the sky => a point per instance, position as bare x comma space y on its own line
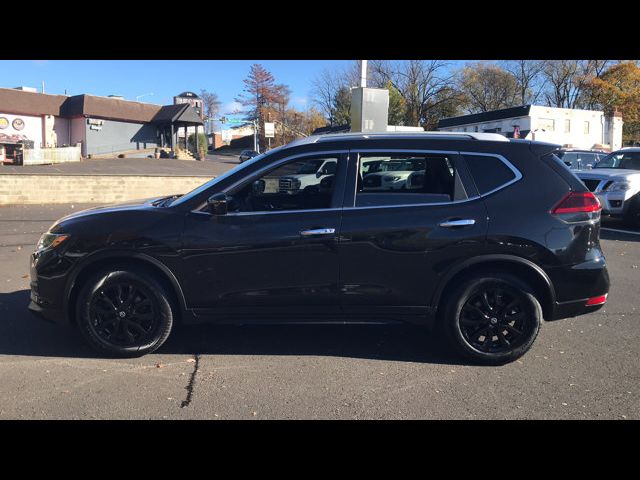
163, 78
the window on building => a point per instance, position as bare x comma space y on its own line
567, 125
547, 124
475, 129
586, 128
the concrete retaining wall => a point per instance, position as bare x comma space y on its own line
46, 189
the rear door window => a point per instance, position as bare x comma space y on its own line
489, 172
407, 178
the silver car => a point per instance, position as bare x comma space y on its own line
616, 182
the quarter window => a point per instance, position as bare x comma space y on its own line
488, 172
397, 179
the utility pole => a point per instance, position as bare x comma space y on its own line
363, 73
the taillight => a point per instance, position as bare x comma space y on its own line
577, 202
600, 300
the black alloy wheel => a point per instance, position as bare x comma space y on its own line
491, 318
124, 313
494, 320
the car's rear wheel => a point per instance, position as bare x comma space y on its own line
492, 319
124, 313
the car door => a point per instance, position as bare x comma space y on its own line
396, 244
274, 252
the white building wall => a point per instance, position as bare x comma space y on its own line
32, 128
564, 126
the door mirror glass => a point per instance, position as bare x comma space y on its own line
218, 204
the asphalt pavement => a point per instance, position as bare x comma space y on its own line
579, 368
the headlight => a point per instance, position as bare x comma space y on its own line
619, 187
50, 240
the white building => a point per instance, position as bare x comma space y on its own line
583, 129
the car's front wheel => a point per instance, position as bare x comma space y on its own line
492, 318
124, 313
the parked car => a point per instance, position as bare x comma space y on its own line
308, 175
581, 159
615, 180
481, 252
247, 154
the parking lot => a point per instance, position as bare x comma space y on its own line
579, 368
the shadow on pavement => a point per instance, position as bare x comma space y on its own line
22, 333
625, 237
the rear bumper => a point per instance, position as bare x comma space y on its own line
573, 309
576, 285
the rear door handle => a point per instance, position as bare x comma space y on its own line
458, 223
318, 231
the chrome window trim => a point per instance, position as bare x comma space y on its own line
272, 166
510, 166
515, 171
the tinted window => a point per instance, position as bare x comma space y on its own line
396, 179
488, 172
296, 185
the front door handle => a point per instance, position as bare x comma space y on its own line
458, 223
318, 231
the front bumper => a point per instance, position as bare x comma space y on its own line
613, 203
47, 294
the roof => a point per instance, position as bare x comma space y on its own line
109, 108
512, 112
187, 94
182, 112
23, 102
492, 137
29, 103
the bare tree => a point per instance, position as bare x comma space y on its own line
423, 84
528, 75
567, 82
487, 87
324, 90
210, 104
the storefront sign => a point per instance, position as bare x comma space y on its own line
4, 123
18, 124
95, 124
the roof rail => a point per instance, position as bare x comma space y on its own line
494, 137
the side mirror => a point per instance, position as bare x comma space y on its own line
218, 204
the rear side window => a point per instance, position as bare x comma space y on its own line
406, 179
488, 172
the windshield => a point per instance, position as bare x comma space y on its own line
213, 181
626, 160
310, 167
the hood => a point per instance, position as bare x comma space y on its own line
607, 174
104, 209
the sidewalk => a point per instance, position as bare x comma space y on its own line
211, 167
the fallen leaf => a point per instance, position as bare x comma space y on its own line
191, 360
159, 365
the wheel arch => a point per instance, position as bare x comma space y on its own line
525, 269
127, 260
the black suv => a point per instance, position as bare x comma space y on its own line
489, 238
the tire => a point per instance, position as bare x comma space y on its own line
124, 313
469, 316
632, 215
